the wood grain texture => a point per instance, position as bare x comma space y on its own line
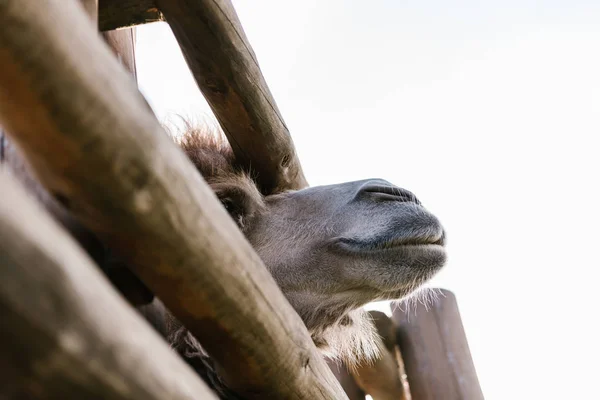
227, 72
65, 332
435, 351
117, 14
91, 139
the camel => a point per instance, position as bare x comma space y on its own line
331, 249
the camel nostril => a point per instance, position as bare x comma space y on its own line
388, 192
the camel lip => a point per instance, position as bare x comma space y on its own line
389, 244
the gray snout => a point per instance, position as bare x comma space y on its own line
379, 189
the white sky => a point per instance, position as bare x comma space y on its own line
490, 113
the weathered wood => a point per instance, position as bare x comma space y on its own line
435, 351
122, 42
65, 333
93, 142
402, 372
116, 14
382, 379
345, 378
227, 72
128, 284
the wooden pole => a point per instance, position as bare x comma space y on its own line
65, 332
92, 141
435, 351
227, 72
383, 379
117, 14
345, 378
14, 163
122, 42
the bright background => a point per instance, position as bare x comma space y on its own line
490, 113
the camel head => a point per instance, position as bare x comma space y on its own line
331, 249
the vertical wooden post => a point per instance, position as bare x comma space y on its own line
122, 42
382, 379
435, 351
345, 378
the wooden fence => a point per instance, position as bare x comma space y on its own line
70, 107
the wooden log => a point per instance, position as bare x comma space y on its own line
435, 351
382, 379
227, 72
128, 284
122, 42
117, 14
65, 332
92, 141
345, 378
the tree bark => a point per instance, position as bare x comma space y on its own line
227, 72
94, 143
65, 332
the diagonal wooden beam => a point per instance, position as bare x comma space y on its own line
65, 332
227, 72
117, 14
94, 143
91, 9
